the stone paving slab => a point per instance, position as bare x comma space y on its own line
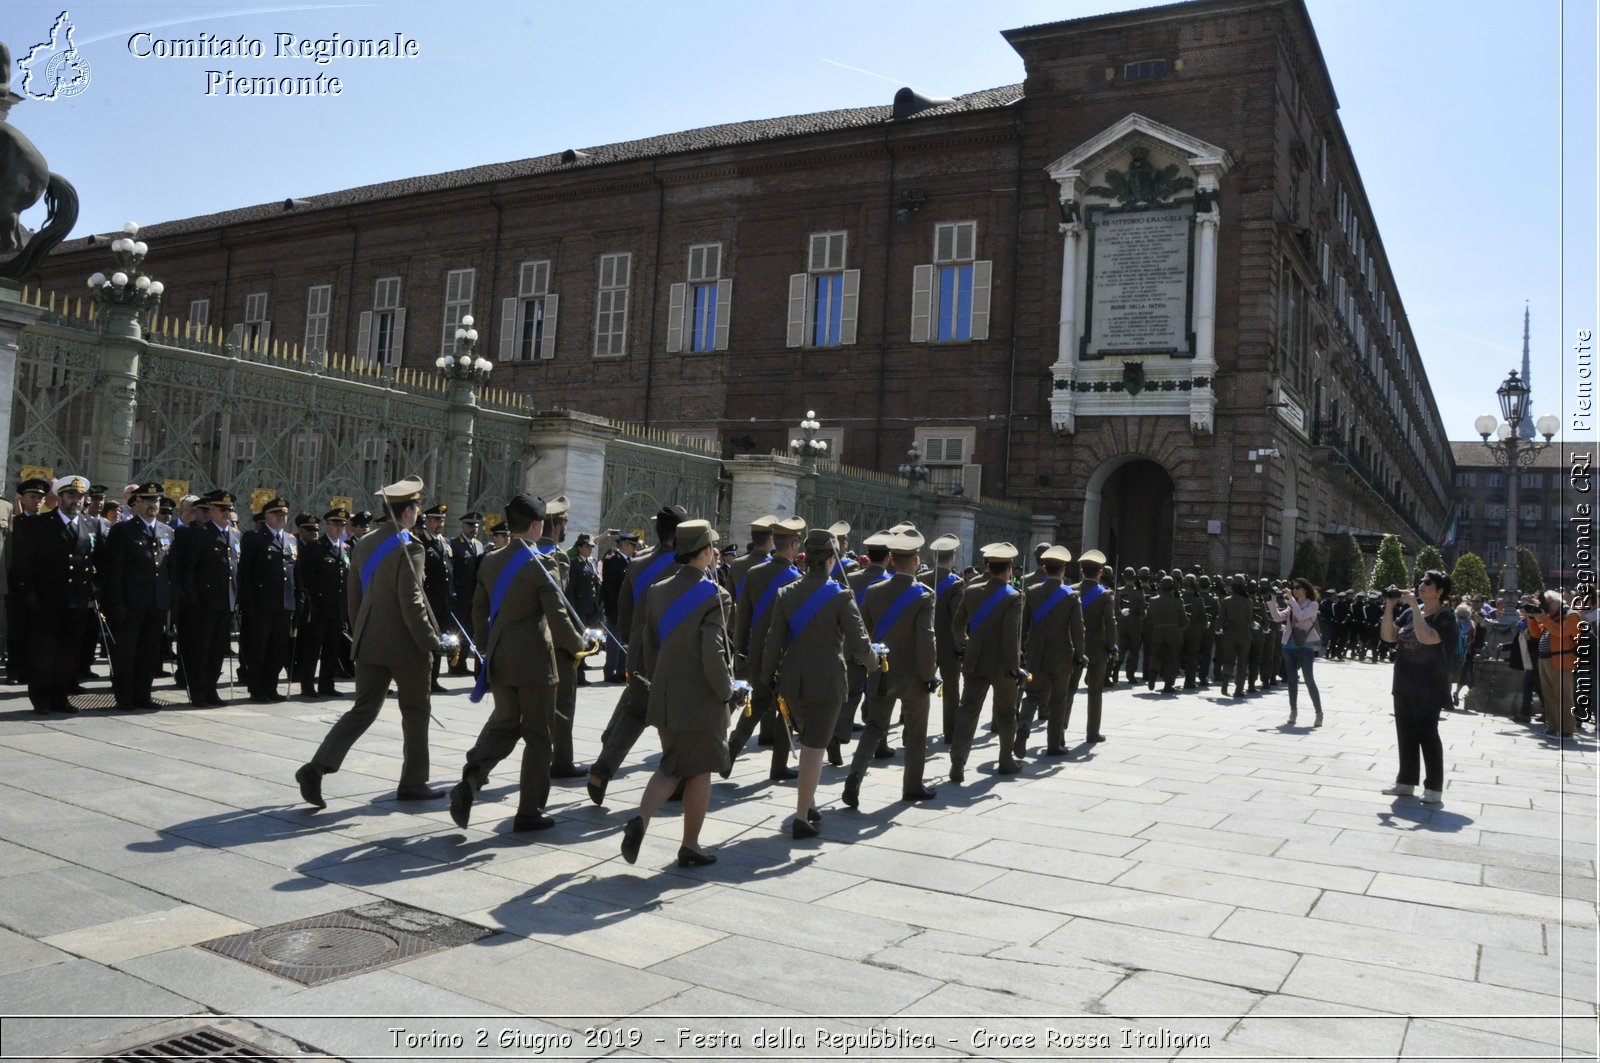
1206, 862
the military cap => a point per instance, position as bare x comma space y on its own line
1168, 583
792, 527
435, 511
730, 549
1129, 573
557, 508
839, 528
628, 537
218, 499
945, 544
525, 505
337, 514
1092, 557
70, 483
472, 518
1056, 553
1144, 570
407, 490
904, 525
676, 514
1038, 551
694, 536
145, 492
764, 524
999, 552
584, 539
166, 505
498, 527
908, 541
307, 520
821, 541
878, 538
98, 490
362, 518
34, 486
275, 505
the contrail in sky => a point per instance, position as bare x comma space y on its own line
869, 73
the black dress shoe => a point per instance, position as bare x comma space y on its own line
1055, 751
813, 816
328, 692
435, 688
569, 771
835, 755
1008, 767
782, 774
632, 838
310, 780
598, 778
528, 821
418, 793
1095, 738
275, 697
958, 773
461, 803
63, 705
852, 790
921, 793
799, 828
688, 857
307, 691
884, 752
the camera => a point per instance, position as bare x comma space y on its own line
1391, 591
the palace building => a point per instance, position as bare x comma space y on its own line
1142, 291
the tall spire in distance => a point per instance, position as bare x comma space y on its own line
1525, 426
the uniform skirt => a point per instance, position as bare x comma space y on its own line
814, 721
685, 754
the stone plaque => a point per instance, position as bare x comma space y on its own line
1139, 283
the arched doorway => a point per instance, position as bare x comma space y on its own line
1129, 513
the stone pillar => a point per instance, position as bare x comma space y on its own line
763, 484
461, 423
958, 516
1044, 531
1203, 400
569, 458
1063, 406
116, 399
15, 315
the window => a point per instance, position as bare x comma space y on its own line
381, 336
1534, 480
1466, 511
611, 306
823, 300
200, 313
1293, 329
319, 302
947, 453
1322, 161
950, 298
1492, 555
1532, 512
257, 330
698, 311
372, 460
306, 451
1145, 68
528, 319
244, 454
1494, 479
457, 305
1494, 512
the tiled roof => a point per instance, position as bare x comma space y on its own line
1474, 455
690, 140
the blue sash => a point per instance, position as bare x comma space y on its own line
898, 606
651, 573
683, 605
385, 548
950, 580
1001, 594
546, 549
812, 605
1090, 595
861, 595
497, 597
738, 590
1057, 596
770, 595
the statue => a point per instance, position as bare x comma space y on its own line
24, 178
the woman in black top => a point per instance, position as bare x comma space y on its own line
1421, 680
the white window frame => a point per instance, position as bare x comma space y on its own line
955, 246
319, 309
615, 275
458, 289
699, 308
256, 331
811, 294
199, 313
533, 298
382, 331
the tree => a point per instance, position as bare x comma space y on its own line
1428, 559
1308, 562
1469, 576
1530, 574
1390, 568
1345, 568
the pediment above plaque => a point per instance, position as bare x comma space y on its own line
1112, 149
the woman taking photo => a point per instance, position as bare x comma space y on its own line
1300, 642
1422, 636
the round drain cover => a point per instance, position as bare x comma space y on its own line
327, 946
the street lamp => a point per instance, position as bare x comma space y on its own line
129, 289
808, 447
912, 468
465, 365
1515, 454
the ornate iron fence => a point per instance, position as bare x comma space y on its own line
867, 500
646, 470
1004, 522
52, 401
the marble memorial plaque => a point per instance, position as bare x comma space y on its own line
1139, 283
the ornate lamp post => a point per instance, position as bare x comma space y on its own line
1515, 454
128, 297
912, 469
128, 300
465, 371
808, 447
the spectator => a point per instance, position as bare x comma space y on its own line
1421, 636
1466, 638
1561, 630
1300, 642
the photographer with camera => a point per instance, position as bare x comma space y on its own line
1421, 637
1299, 641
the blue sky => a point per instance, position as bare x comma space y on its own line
1473, 123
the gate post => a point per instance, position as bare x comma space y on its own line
764, 484
125, 298
569, 458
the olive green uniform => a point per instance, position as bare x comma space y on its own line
991, 646
1053, 643
1165, 622
690, 668
913, 660
804, 664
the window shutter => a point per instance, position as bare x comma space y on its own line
848, 302
236, 336
398, 348
921, 303
799, 285
547, 341
508, 329
264, 337
724, 315
675, 317
364, 336
982, 279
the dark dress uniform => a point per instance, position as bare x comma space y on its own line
466, 554
989, 631
752, 618
53, 560
689, 661
1194, 607
1100, 646
947, 587
322, 574
1236, 617
1053, 644
1131, 605
804, 662
613, 574
904, 624
205, 560
436, 586
1165, 623
267, 600
136, 591
16, 615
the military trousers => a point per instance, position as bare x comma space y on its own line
1208, 641
203, 643
977, 691
1093, 675
1233, 649
950, 699
1130, 636
1047, 696
912, 696
763, 714
264, 647
627, 724
1192, 635
1166, 649
136, 637
855, 678
520, 712
55, 639
318, 647
566, 707
372, 687
16, 640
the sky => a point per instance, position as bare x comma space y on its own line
1472, 122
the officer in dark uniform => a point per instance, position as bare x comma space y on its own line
205, 562
136, 591
1208, 634
1099, 636
499, 534
946, 584
437, 580
53, 561
613, 574
1165, 624
1194, 606
267, 599
466, 554
1130, 623
1235, 618
30, 496
322, 574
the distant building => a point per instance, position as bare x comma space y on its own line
1143, 291
1542, 514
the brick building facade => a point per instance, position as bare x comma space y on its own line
1544, 508
919, 273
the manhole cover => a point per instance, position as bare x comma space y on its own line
109, 701
339, 944
207, 1042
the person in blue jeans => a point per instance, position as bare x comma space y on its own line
1300, 641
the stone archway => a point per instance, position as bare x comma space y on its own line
1130, 512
